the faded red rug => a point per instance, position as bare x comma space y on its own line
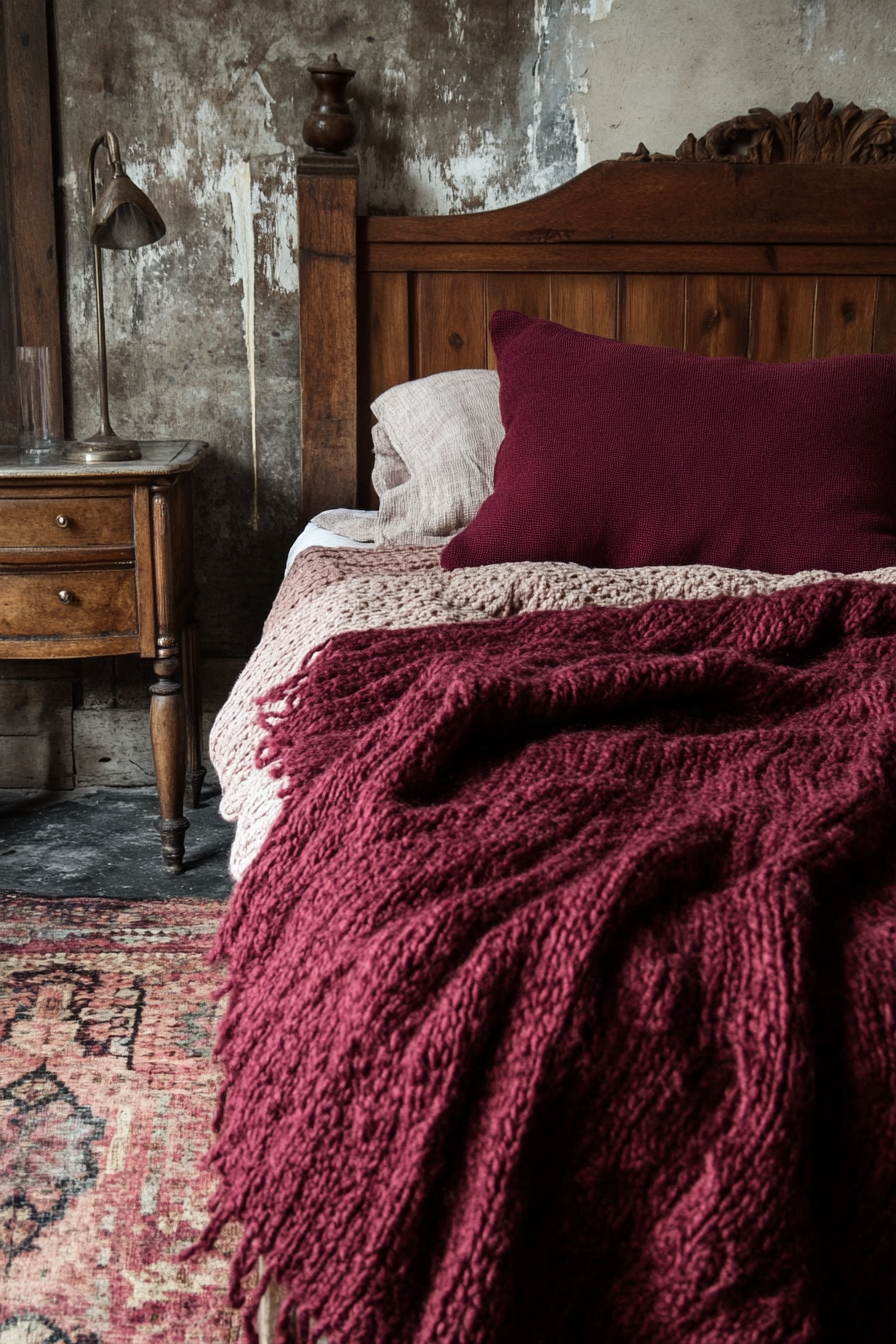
107, 1093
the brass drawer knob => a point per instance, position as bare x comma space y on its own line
66, 596
61, 520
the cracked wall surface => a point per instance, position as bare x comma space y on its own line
654, 70
460, 106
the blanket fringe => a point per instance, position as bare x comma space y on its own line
523, 1023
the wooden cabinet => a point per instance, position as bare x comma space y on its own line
98, 560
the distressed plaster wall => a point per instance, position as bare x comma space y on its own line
653, 70
208, 100
462, 104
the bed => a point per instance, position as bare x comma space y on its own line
481, 1085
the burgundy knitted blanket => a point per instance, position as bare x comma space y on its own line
562, 997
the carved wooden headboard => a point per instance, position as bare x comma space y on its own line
771, 237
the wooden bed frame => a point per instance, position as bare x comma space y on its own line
770, 237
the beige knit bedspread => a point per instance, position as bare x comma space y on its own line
327, 592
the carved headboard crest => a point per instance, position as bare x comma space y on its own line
809, 133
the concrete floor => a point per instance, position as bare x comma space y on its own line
102, 842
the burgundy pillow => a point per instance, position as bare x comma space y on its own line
623, 455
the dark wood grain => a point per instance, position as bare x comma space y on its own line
586, 302
103, 603
146, 604
681, 203
884, 338
386, 336
15, 558
782, 317
711, 258
328, 348
449, 323
844, 315
69, 646
72, 522
651, 310
717, 314
180, 503
520, 292
384, 354
31, 228
167, 718
168, 735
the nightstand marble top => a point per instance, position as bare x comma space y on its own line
159, 458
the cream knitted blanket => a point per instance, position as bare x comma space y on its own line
328, 592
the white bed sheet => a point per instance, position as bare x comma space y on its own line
313, 535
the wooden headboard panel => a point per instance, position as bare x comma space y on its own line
773, 238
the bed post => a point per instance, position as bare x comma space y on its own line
327, 192
327, 200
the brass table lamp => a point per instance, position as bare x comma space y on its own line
122, 219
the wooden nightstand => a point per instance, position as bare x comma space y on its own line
98, 560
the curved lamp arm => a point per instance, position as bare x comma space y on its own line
109, 141
123, 218
105, 430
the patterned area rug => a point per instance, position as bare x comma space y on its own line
107, 1092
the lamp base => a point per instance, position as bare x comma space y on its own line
102, 448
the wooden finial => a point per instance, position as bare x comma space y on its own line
329, 127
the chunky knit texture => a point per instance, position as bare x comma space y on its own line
329, 592
562, 996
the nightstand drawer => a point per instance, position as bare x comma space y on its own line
61, 521
68, 603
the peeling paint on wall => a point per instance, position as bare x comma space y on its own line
813, 15
268, 100
237, 182
461, 105
553, 134
277, 228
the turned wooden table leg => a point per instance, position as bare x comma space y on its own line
193, 708
167, 726
167, 721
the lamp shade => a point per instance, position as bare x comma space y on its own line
125, 218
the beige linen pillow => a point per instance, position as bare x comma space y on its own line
435, 446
